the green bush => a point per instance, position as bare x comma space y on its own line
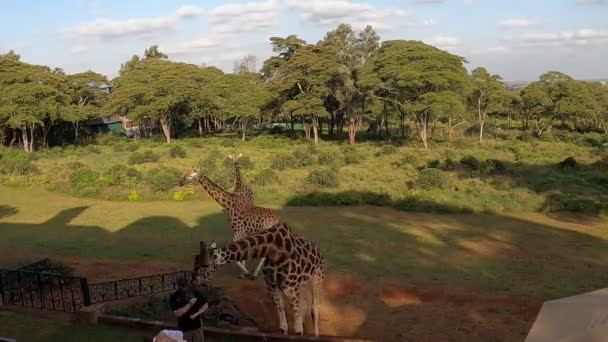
265, 177
568, 163
327, 178
17, 167
179, 196
85, 182
122, 175
245, 163
326, 158
449, 164
493, 166
593, 139
134, 196
318, 198
163, 178
352, 159
471, 163
433, 164
432, 179
146, 156
177, 151
93, 149
386, 150
228, 143
108, 139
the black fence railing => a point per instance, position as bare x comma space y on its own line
41, 290
134, 287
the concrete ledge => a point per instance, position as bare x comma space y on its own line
222, 333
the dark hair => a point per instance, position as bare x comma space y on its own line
181, 282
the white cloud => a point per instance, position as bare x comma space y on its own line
189, 11
193, 46
247, 17
498, 49
579, 37
444, 41
515, 23
76, 50
359, 15
108, 28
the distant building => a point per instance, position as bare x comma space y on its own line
115, 124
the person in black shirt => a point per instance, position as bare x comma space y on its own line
188, 312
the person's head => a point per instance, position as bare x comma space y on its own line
181, 283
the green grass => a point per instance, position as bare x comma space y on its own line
32, 328
529, 183
522, 253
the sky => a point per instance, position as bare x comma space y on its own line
517, 39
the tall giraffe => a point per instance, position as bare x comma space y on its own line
292, 265
239, 187
245, 218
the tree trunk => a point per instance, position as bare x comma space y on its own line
165, 123
200, 127
315, 132
76, 125
243, 129
332, 123
450, 129
480, 118
24, 137
481, 124
402, 124
32, 131
13, 139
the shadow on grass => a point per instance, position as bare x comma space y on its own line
6, 211
487, 253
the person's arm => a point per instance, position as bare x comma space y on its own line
182, 311
200, 311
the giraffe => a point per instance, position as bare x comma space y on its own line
292, 265
239, 187
245, 218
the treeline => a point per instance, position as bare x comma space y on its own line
338, 85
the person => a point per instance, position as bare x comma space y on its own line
188, 312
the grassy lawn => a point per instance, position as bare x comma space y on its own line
529, 254
27, 327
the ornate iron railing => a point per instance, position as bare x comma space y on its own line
134, 287
41, 290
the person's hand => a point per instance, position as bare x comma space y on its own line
192, 301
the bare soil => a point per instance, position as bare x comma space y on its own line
351, 307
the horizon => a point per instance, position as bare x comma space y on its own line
519, 40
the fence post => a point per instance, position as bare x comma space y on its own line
86, 294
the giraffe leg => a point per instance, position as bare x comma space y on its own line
244, 271
316, 301
259, 268
296, 298
277, 298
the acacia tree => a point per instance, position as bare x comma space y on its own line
29, 95
486, 95
204, 106
299, 77
156, 89
415, 77
347, 101
88, 92
599, 92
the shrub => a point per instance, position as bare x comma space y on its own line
134, 196
449, 164
93, 149
323, 177
107, 139
386, 150
17, 167
75, 165
147, 156
122, 175
163, 178
177, 151
410, 159
317, 198
227, 143
283, 161
593, 139
85, 182
179, 196
312, 149
433, 164
302, 158
432, 179
471, 163
352, 159
265, 177
131, 147
246, 163
214, 156
326, 158
492, 166
568, 163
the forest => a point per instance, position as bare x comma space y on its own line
451, 139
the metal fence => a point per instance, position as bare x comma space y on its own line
46, 291
134, 287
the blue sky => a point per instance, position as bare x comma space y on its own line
517, 39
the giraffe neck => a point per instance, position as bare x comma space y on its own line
272, 243
222, 197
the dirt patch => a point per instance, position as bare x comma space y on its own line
367, 309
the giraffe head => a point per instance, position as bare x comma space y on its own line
206, 263
190, 176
